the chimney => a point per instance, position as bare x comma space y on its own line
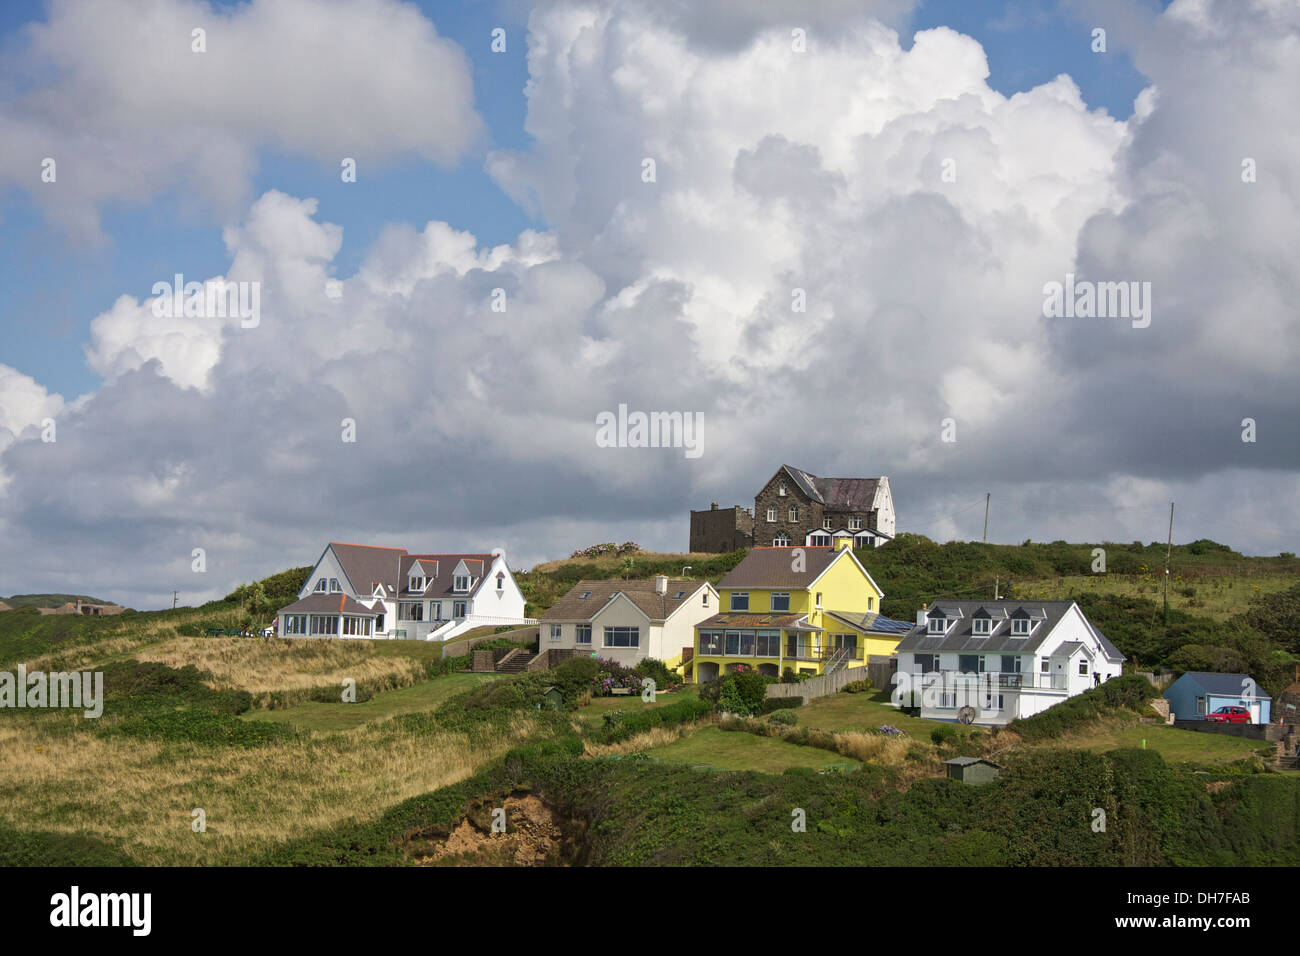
661, 584
713, 506
923, 616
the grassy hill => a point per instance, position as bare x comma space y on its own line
50, 600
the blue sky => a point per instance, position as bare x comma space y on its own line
1028, 42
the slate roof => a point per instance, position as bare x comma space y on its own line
1227, 685
327, 604
848, 494
772, 568
443, 584
961, 636
641, 592
365, 565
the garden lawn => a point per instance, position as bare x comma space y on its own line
427, 695
733, 750
594, 712
842, 712
1176, 746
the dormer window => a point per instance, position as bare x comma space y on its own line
462, 583
982, 626
320, 586
417, 583
1021, 626
937, 625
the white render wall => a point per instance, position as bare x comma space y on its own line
1027, 701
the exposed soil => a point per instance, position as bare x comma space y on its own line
534, 835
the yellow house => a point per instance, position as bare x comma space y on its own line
806, 610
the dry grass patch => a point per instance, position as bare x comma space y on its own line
655, 737
141, 793
284, 671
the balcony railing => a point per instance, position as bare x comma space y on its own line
1012, 681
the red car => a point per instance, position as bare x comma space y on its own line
1230, 714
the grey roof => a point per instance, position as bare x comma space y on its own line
961, 637
443, 583
847, 494
1067, 649
1228, 685
367, 565
967, 761
1110, 650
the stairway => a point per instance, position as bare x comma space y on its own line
515, 662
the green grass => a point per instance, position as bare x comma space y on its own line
1216, 596
861, 712
595, 711
722, 750
1176, 746
314, 715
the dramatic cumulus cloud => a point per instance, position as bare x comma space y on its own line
114, 93
919, 214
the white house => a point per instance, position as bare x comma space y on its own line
364, 591
628, 621
990, 662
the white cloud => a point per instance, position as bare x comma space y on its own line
114, 93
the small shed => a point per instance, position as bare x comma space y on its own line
552, 699
1198, 693
972, 770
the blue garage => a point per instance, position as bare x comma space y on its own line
1198, 693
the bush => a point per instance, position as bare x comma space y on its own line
1128, 692
657, 671
773, 704
741, 692
943, 735
784, 716
856, 687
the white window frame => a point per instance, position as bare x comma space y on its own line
732, 601
1021, 627
981, 626
776, 594
855, 524
557, 632
771, 515
930, 625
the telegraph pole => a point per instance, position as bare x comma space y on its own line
1169, 547
987, 495
174, 594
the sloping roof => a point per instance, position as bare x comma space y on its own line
327, 604
1227, 685
751, 619
773, 568
1066, 649
848, 494
961, 636
365, 565
872, 623
641, 592
967, 761
443, 585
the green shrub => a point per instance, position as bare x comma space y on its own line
771, 704
1128, 692
657, 671
944, 734
784, 716
856, 687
